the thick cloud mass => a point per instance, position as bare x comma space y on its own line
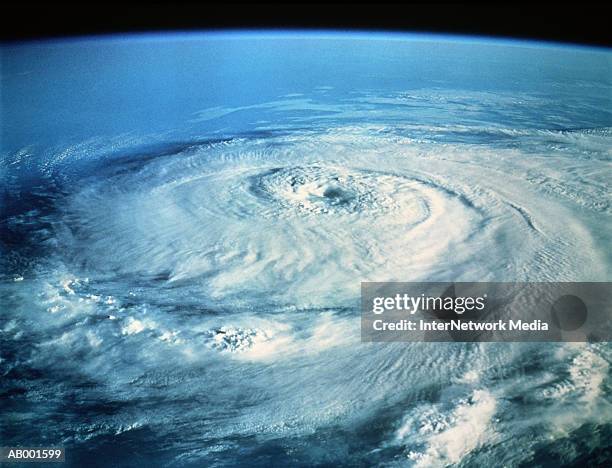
302, 220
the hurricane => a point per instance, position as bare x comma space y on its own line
186, 222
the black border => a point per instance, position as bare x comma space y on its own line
580, 23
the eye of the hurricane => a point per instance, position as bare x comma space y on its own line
337, 196
330, 190
324, 194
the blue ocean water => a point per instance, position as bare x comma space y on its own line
186, 220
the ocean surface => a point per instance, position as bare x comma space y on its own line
185, 221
